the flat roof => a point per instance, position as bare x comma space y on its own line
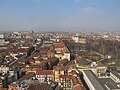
101, 83
109, 83
115, 73
93, 79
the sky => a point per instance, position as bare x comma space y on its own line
60, 15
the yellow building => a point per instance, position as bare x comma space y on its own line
4, 68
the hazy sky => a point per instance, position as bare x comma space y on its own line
60, 15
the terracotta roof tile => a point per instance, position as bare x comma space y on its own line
59, 45
3, 89
40, 87
62, 68
44, 72
66, 76
78, 87
63, 62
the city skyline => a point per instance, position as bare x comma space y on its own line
59, 15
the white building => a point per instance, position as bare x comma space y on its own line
61, 51
1, 35
76, 39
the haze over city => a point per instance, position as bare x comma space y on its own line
60, 15
59, 44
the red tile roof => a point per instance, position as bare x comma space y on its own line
51, 50
40, 51
75, 80
59, 45
22, 50
53, 59
44, 72
78, 87
62, 68
40, 87
73, 72
62, 62
66, 76
71, 62
76, 84
3, 89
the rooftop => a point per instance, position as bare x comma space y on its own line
63, 62
93, 79
108, 82
44, 72
40, 87
116, 74
26, 77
